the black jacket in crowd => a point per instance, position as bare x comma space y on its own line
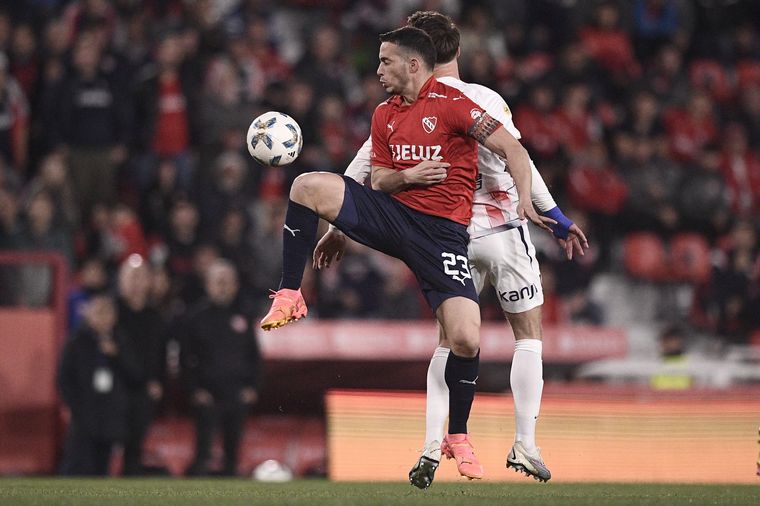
145, 333
101, 414
220, 352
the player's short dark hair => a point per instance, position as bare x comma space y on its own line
442, 30
413, 39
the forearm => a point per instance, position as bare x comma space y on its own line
518, 164
540, 195
389, 180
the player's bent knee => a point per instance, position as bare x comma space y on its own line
319, 191
464, 341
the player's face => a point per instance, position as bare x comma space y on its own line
393, 70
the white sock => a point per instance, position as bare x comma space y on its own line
527, 382
437, 403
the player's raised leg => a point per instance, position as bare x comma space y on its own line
527, 383
459, 318
314, 195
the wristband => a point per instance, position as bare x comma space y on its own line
561, 229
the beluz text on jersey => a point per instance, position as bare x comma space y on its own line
416, 152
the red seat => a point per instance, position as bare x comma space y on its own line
644, 256
690, 258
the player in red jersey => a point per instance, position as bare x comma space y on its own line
424, 164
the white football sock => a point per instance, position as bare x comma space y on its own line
527, 382
437, 403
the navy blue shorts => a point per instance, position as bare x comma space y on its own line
434, 248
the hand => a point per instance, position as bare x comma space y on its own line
526, 210
248, 395
426, 173
330, 247
108, 347
202, 397
155, 390
576, 241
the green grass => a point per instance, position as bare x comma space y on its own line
230, 492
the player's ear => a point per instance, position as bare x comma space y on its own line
414, 65
459, 52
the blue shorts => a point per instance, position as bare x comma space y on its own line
434, 248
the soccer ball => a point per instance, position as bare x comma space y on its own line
274, 138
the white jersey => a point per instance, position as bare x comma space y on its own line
495, 201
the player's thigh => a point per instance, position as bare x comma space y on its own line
513, 269
320, 191
459, 318
374, 218
479, 264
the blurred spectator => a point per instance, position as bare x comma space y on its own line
182, 237
10, 225
24, 60
749, 113
741, 169
577, 124
93, 119
269, 220
228, 189
91, 279
53, 178
704, 187
324, 65
539, 128
610, 45
144, 331
666, 77
157, 200
224, 112
40, 231
691, 128
164, 114
234, 244
348, 290
658, 22
97, 368
220, 357
727, 304
400, 297
652, 188
14, 119
674, 373
645, 116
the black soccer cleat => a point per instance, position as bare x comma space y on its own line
423, 472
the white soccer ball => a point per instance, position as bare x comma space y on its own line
274, 138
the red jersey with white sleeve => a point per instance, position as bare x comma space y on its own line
437, 127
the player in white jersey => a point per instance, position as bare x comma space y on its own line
500, 253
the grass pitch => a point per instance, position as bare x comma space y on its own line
233, 492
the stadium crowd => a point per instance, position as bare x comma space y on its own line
122, 131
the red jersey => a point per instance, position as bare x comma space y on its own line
433, 127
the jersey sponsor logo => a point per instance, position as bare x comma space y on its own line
475, 113
460, 97
390, 125
416, 152
429, 123
433, 94
526, 292
479, 182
